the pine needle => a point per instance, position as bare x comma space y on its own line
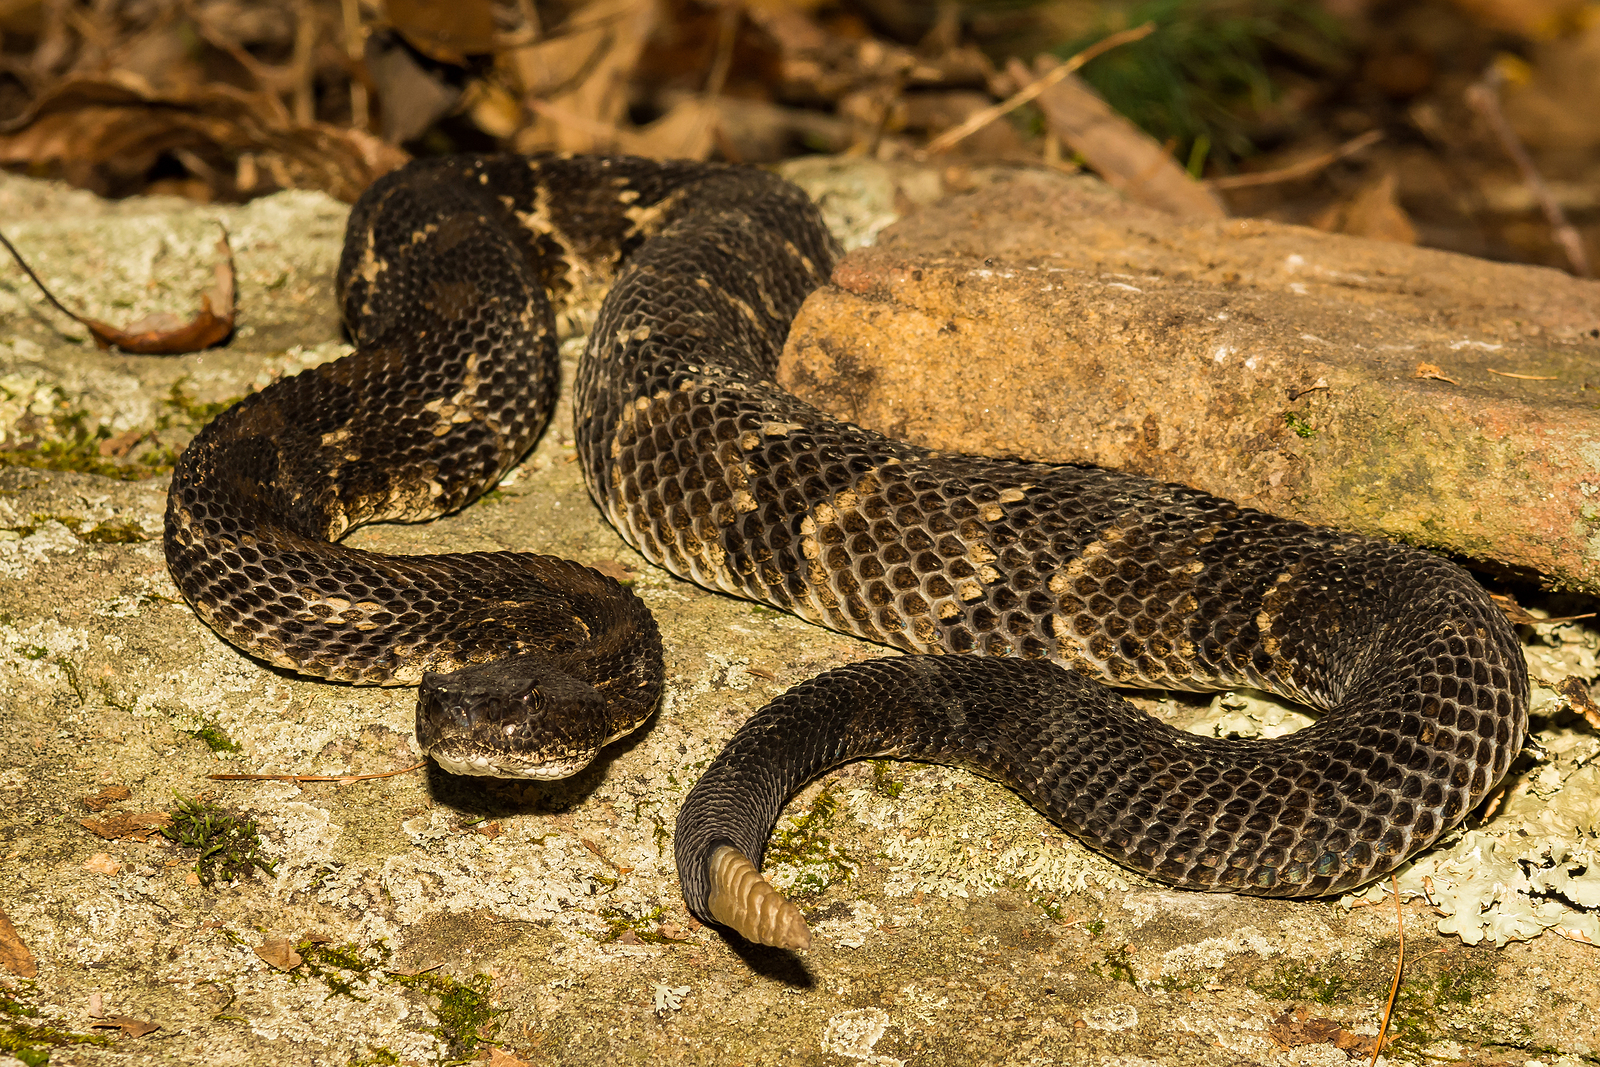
1399, 964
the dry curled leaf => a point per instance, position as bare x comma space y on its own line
132, 826
162, 334
614, 568
1373, 212
1578, 698
102, 863
106, 134
129, 1026
120, 445
1434, 371
279, 953
576, 79
14, 954
449, 32
165, 336
212, 323
108, 796
1297, 1027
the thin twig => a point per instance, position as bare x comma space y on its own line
1524, 377
341, 778
1399, 964
722, 61
532, 30
579, 75
1484, 97
980, 119
602, 132
301, 66
728, 20
271, 81
1302, 169
48, 295
355, 50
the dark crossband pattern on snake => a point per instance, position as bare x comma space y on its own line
1038, 582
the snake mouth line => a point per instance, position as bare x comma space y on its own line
494, 765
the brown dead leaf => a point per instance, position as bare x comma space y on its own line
499, 1057
123, 443
815, 62
1434, 371
449, 32
600, 854
102, 863
615, 568
105, 134
577, 79
687, 131
108, 796
1578, 698
168, 337
1297, 1027
279, 953
1514, 611
14, 954
162, 334
133, 826
1374, 213
1530, 18
1130, 160
130, 1027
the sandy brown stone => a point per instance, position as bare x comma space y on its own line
1406, 392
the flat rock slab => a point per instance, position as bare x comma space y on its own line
1405, 392
953, 925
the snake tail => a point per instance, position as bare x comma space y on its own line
1264, 817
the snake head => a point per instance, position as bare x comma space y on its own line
519, 717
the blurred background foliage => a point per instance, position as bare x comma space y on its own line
1206, 77
1396, 119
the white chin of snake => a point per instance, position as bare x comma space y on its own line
483, 767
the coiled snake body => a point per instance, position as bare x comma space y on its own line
712, 471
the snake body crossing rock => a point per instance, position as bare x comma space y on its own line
714, 472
